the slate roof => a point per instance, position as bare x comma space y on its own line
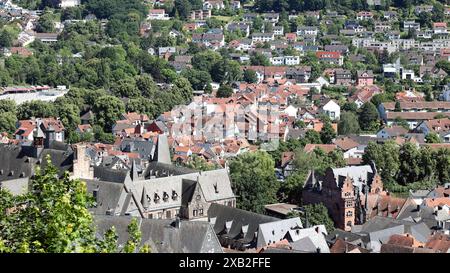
160, 168
229, 222
108, 196
62, 160
162, 235
276, 231
14, 163
144, 148
110, 175
20, 161
381, 228
315, 237
423, 214
170, 185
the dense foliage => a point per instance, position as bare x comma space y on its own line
407, 164
253, 180
53, 217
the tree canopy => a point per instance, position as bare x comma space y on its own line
253, 180
53, 217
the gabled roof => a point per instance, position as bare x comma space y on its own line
163, 236
230, 221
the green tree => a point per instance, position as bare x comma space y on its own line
45, 23
8, 105
6, 38
250, 76
226, 71
182, 87
205, 60
327, 134
199, 163
253, 179
348, 124
442, 157
199, 79
368, 117
126, 88
257, 24
386, 158
317, 214
69, 114
8, 122
224, 91
146, 85
291, 189
410, 166
312, 137
433, 138
259, 59
52, 217
183, 8
132, 245
107, 110
37, 109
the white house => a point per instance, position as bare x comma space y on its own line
277, 60
157, 14
291, 111
69, 3
263, 37
332, 109
208, 5
355, 152
278, 30
292, 60
407, 25
307, 31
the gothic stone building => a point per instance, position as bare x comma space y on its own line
187, 195
345, 192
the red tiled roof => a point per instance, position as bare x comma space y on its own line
328, 54
439, 242
326, 147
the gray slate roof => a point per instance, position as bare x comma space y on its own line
162, 235
231, 221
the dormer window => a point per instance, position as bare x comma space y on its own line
156, 198
165, 197
215, 188
174, 195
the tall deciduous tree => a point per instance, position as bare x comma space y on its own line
368, 118
348, 124
327, 134
317, 214
224, 91
253, 179
8, 122
53, 217
108, 110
